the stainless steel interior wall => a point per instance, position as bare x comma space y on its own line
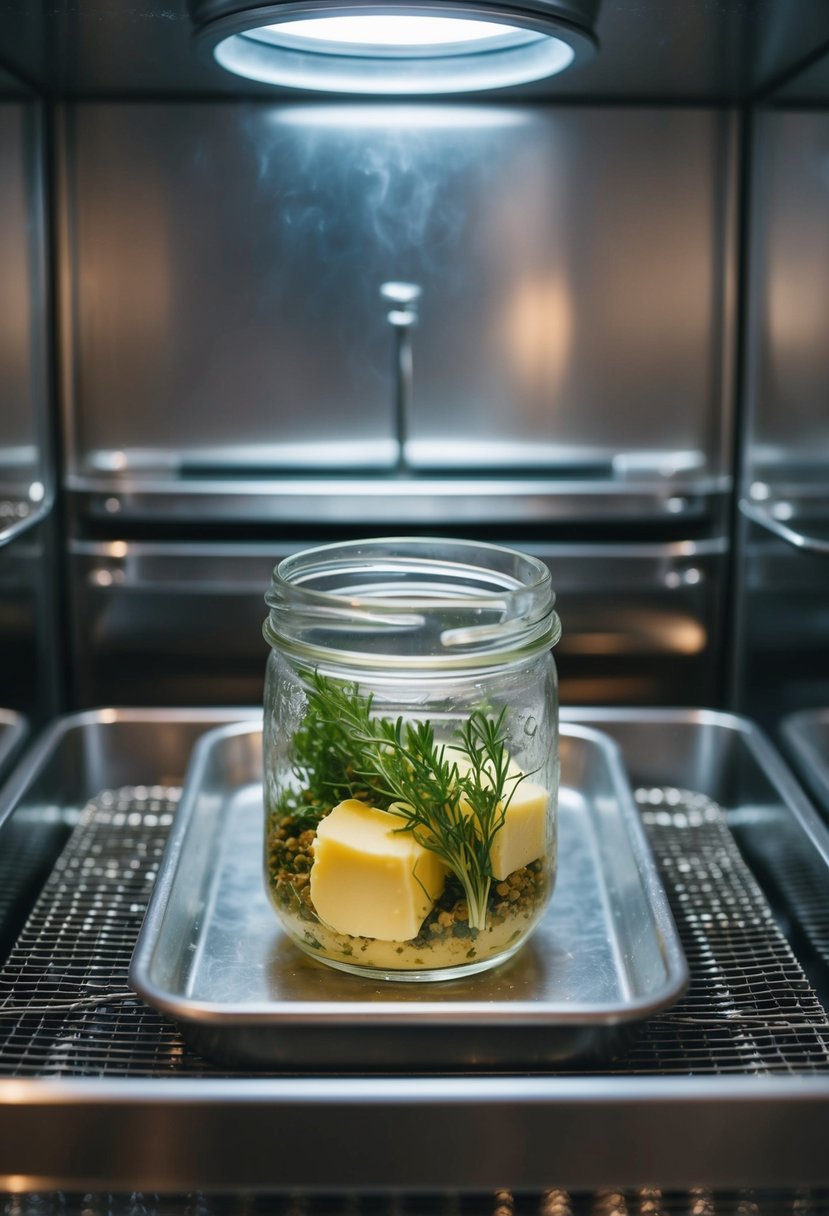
227, 262
789, 352
29, 666
21, 305
166, 623
784, 564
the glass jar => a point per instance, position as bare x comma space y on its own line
410, 754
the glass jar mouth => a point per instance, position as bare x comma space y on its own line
412, 603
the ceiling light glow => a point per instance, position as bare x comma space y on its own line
390, 30
375, 47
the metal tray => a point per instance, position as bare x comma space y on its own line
213, 957
806, 737
172, 1130
777, 829
68, 764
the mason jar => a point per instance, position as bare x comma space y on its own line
411, 755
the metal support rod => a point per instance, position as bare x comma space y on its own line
402, 316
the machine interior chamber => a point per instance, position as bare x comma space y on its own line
609, 352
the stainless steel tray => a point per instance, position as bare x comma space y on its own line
69, 763
777, 829
213, 957
806, 737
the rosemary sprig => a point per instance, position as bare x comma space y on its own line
455, 810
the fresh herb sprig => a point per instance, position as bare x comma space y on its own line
344, 752
323, 764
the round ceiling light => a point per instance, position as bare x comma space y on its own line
394, 47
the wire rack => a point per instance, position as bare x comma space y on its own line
749, 1006
644, 1201
803, 887
28, 850
66, 1007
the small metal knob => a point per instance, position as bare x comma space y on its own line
404, 299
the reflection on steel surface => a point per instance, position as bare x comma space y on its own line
641, 619
584, 313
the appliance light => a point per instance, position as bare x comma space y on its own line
383, 32
394, 48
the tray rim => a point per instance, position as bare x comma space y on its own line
758, 743
444, 1013
812, 767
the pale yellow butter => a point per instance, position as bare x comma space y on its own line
370, 880
523, 836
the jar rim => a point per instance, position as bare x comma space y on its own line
456, 603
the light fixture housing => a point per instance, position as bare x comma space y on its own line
396, 47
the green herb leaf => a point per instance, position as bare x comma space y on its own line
342, 751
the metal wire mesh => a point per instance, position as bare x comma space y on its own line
66, 1007
28, 849
749, 1006
644, 1201
804, 889
65, 1003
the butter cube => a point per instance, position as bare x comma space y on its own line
370, 880
523, 837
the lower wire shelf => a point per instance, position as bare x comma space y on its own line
66, 1007
639, 1201
722, 1100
